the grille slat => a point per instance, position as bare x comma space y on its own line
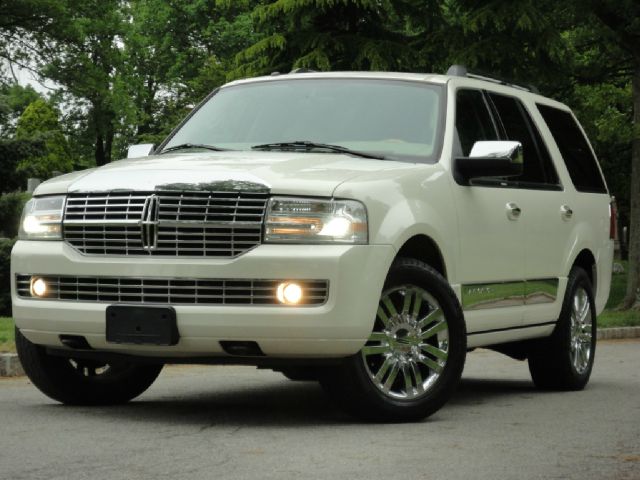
169, 290
199, 224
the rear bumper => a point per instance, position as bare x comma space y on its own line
337, 328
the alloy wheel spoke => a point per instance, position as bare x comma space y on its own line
388, 362
433, 315
391, 308
391, 377
415, 371
437, 328
408, 382
408, 295
436, 352
382, 315
375, 349
417, 305
436, 367
378, 337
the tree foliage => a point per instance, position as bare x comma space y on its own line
39, 123
127, 71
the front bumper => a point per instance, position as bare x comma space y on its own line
338, 328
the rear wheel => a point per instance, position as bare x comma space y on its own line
415, 354
564, 360
81, 381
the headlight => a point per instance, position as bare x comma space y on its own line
42, 219
308, 220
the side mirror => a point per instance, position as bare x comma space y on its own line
489, 159
141, 150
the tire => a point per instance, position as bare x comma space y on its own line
564, 360
83, 382
413, 360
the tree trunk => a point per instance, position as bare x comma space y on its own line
99, 153
633, 281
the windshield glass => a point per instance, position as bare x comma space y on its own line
395, 119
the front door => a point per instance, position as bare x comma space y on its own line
492, 231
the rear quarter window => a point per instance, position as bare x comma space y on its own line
574, 148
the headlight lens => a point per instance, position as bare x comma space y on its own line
42, 219
308, 220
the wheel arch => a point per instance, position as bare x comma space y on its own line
587, 261
424, 248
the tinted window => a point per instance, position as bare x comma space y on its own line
575, 151
473, 120
397, 119
516, 124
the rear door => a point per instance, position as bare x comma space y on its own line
544, 205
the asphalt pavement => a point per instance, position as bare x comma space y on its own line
242, 423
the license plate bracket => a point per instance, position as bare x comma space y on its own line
141, 325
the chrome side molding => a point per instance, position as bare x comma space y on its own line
480, 296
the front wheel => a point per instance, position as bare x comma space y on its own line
80, 381
564, 360
414, 357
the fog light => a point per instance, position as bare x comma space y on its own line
38, 287
289, 293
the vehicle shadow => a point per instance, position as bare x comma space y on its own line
275, 403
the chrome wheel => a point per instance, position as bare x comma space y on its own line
581, 331
409, 346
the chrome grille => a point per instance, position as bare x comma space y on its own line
168, 290
200, 224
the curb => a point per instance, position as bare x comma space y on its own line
10, 364
618, 333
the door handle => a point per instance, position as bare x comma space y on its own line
565, 212
513, 211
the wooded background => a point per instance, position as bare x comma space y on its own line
125, 72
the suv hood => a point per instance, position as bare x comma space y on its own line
280, 172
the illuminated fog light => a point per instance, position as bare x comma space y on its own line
38, 287
289, 293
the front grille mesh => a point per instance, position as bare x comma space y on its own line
169, 290
199, 224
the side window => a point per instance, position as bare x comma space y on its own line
578, 157
473, 120
516, 124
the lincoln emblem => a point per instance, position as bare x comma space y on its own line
149, 223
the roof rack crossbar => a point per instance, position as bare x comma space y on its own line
461, 71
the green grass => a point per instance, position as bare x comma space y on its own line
612, 318
6, 335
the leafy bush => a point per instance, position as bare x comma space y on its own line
5, 276
11, 205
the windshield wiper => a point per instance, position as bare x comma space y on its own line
184, 146
308, 146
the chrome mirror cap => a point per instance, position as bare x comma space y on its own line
498, 149
140, 150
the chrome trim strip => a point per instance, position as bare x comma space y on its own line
479, 296
542, 290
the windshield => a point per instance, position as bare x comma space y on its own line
397, 120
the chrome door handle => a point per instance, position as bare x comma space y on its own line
565, 212
513, 211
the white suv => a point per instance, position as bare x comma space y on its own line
362, 229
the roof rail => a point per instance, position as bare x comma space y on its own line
461, 71
303, 70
